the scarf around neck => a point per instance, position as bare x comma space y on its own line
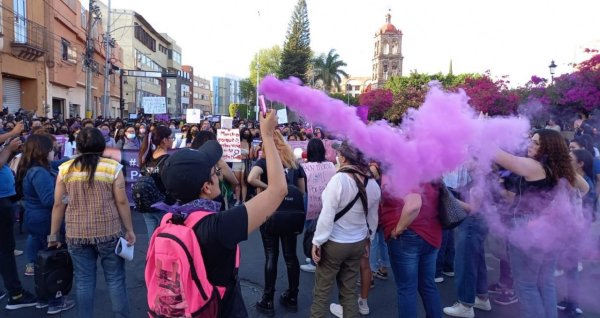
190, 207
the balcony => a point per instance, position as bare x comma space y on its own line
26, 38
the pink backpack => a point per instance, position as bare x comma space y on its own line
175, 273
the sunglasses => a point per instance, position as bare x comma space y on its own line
217, 172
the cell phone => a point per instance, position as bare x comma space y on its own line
262, 105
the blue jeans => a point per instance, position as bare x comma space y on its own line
445, 258
152, 220
533, 273
469, 264
85, 264
413, 265
379, 255
34, 244
8, 264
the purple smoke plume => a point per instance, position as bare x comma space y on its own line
438, 137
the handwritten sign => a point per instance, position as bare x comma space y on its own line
154, 105
282, 116
229, 139
318, 175
192, 116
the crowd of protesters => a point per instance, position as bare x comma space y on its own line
362, 232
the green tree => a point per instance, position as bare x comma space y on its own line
328, 69
248, 91
296, 49
269, 61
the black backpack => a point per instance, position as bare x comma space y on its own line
289, 217
53, 273
145, 193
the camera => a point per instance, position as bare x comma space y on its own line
22, 116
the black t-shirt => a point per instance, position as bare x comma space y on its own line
152, 168
219, 235
291, 175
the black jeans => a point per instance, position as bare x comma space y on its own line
8, 265
271, 246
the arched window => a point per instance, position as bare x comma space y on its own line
386, 48
376, 48
395, 47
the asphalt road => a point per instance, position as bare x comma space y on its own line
382, 301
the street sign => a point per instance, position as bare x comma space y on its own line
154, 105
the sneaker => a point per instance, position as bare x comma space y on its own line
439, 279
506, 298
2, 294
381, 274
41, 304
363, 306
18, 252
460, 310
562, 305
482, 304
449, 274
25, 299
499, 289
309, 268
29, 269
66, 305
558, 272
336, 310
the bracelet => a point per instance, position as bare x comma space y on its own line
54, 238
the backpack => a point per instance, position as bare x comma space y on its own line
289, 217
175, 274
145, 193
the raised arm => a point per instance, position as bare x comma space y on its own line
528, 168
262, 206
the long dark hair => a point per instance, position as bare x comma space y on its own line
35, 153
554, 153
315, 151
586, 157
152, 139
247, 139
90, 145
202, 136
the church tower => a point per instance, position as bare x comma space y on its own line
387, 59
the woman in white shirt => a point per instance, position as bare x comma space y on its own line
339, 244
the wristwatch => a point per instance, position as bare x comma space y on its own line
54, 238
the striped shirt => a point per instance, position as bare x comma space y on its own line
92, 216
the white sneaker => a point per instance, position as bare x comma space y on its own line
363, 306
460, 310
439, 279
336, 310
482, 304
308, 260
558, 272
309, 268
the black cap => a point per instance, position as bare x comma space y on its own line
185, 172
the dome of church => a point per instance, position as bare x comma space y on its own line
389, 28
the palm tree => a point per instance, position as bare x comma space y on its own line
328, 68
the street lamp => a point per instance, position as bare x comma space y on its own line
552, 68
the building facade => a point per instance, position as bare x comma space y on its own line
387, 59
23, 50
202, 95
354, 86
145, 49
68, 22
226, 91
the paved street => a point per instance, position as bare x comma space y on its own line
381, 300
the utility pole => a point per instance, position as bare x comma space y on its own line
107, 66
89, 58
257, 79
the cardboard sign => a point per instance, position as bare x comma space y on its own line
282, 117
192, 116
229, 139
298, 144
318, 175
154, 105
226, 122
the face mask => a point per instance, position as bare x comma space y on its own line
105, 133
172, 127
142, 131
130, 136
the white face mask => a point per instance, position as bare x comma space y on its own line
142, 131
130, 136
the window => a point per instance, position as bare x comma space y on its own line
386, 48
70, 3
145, 38
357, 88
20, 21
1, 31
64, 49
196, 95
177, 57
83, 18
163, 49
196, 84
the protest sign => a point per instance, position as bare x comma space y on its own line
154, 105
318, 175
229, 139
192, 116
226, 122
282, 117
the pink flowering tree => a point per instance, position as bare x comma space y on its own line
490, 96
378, 100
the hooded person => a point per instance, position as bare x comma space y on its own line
191, 177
